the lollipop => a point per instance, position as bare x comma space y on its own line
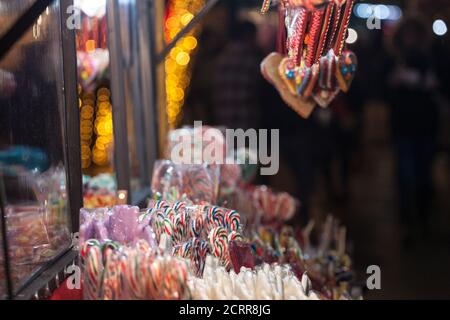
230, 174
94, 269
108, 247
186, 249
158, 224
179, 205
286, 206
197, 223
169, 212
218, 241
198, 256
185, 221
198, 184
160, 204
87, 246
112, 276
232, 220
235, 236
178, 228
168, 227
143, 247
215, 216
133, 275
167, 179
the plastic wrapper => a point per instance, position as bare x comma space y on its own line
32, 240
203, 145
93, 224
274, 206
196, 183
201, 183
28, 239
99, 191
122, 224
167, 181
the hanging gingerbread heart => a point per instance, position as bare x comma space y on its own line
347, 65
270, 71
326, 88
325, 97
312, 28
299, 80
287, 71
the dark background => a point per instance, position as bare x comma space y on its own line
378, 158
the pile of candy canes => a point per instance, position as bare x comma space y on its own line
192, 244
188, 246
312, 66
134, 272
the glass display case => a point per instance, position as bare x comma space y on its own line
40, 177
114, 101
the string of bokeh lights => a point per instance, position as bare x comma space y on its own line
178, 61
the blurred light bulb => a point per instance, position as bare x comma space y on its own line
352, 36
439, 27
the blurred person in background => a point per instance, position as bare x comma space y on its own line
414, 119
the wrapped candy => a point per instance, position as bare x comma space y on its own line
203, 145
274, 206
27, 236
93, 224
197, 183
201, 183
167, 180
123, 224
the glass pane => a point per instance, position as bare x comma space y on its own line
2, 267
32, 172
10, 11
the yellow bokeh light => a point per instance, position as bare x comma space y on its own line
172, 23
173, 33
183, 58
86, 123
104, 92
178, 94
103, 98
186, 18
190, 43
174, 52
105, 140
171, 66
100, 146
86, 131
177, 63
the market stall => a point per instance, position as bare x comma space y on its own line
198, 230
